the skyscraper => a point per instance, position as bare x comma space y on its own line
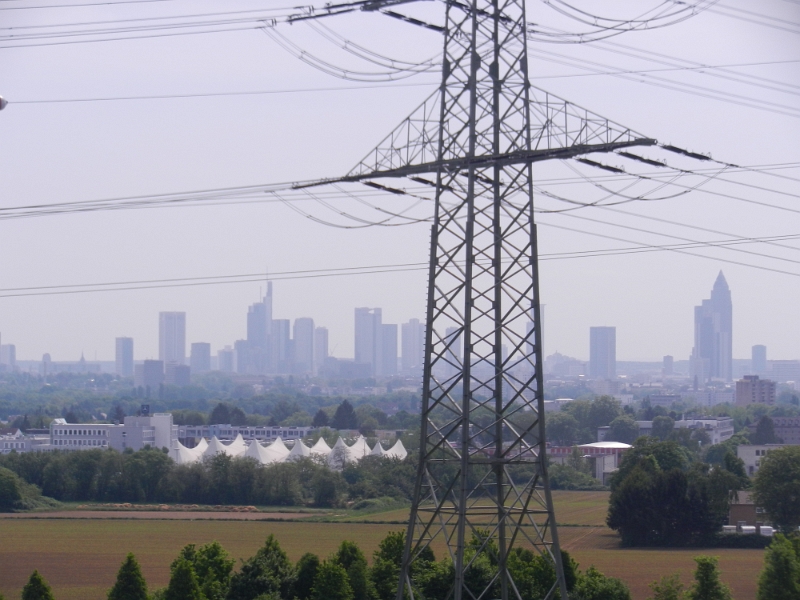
281, 345
200, 357
320, 348
412, 340
602, 352
758, 364
712, 356
172, 337
368, 338
303, 345
388, 349
124, 356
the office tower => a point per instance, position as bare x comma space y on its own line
281, 346
758, 364
8, 356
124, 357
668, 367
412, 340
200, 357
602, 352
368, 339
752, 390
388, 349
303, 345
713, 335
172, 337
178, 375
241, 352
259, 322
320, 348
225, 360
149, 375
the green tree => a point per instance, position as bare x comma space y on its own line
345, 417
183, 584
662, 427
37, 588
780, 579
593, 585
331, 583
307, 568
212, 566
776, 487
707, 585
130, 584
9, 490
320, 419
352, 559
765, 432
221, 414
602, 412
268, 572
386, 561
623, 429
668, 587
562, 428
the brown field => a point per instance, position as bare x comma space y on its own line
80, 557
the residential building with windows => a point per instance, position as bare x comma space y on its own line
753, 390
752, 455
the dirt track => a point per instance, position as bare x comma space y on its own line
163, 515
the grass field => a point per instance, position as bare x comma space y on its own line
80, 557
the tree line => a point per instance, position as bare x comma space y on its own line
207, 573
151, 476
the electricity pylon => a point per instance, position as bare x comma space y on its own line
482, 487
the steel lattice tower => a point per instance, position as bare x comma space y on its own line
482, 463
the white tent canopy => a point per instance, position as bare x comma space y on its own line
298, 451
321, 448
183, 455
397, 451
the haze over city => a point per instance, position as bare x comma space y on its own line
76, 151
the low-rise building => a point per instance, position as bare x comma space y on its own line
718, 429
752, 455
155, 431
606, 456
193, 433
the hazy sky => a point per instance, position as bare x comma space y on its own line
55, 152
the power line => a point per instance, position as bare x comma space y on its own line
142, 284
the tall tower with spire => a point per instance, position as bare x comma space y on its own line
712, 357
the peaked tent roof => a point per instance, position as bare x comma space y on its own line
321, 447
183, 455
261, 454
215, 447
378, 450
298, 451
397, 451
279, 447
201, 447
359, 449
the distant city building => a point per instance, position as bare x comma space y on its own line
665, 400
602, 352
368, 339
389, 350
124, 357
281, 346
178, 375
303, 333
412, 341
8, 356
172, 337
241, 351
200, 357
320, 348
668, 366
226, 360
712, 356
149, 375
753, 390
718, 429
712, 396
758, 365
785, 370
194, 433
787, 429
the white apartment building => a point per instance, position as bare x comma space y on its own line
156, 431
753, 455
